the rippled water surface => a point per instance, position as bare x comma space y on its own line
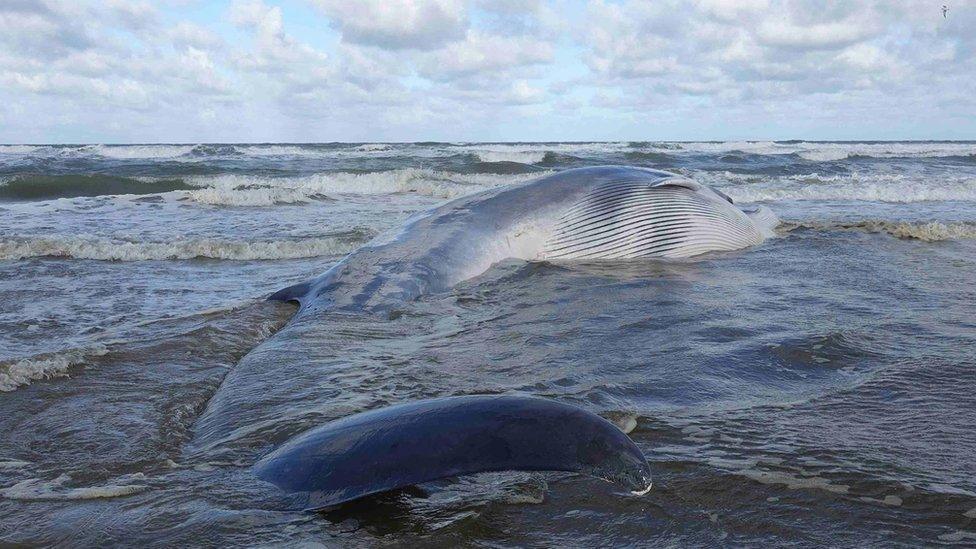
817, 390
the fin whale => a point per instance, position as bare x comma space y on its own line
589, 213
609, 212
422, 441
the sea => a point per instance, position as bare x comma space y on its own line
816, 390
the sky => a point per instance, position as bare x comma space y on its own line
185, 71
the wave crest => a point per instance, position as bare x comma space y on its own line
258, 190
18, 149
247, 190
35, 489
857, 187
930, 231
105, 249
126, 152
22, 371
46, 187
825, 151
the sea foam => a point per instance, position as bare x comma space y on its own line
533, 153
45, 366
824, 152
100, 248
18, 149
248, 190
872, 187
140, 151
53, 490
930, 231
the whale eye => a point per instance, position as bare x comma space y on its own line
723, 195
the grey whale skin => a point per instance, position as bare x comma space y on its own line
422, 441
608, 212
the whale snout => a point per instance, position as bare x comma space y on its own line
765, 220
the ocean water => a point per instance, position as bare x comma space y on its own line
819, 389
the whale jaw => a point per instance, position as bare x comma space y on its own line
632, 219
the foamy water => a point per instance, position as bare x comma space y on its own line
932, 231
246, 190
817, 388
865, 187
45, 366
93, 247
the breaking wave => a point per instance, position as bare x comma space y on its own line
247, 190
526, 153
534, 153
824, 152
877, 188
141, 151
274, 150
373, 147
106, 249
258, 190
522, 157
55, 490
18, 149
46, 187
931, 231
22, 371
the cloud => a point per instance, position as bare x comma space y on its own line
480, 53
186, 33
831, 35
482, 69
132, 14
398, 24
42, 31
782, 47
274, 50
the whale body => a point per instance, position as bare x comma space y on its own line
589, 213
609, 212
422, 441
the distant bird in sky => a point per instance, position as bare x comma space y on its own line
945, 9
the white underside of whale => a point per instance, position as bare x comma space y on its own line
670, 218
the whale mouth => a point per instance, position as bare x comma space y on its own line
644, 491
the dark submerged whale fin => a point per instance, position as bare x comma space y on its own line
292, 293
417, 442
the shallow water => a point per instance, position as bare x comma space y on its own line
816, 390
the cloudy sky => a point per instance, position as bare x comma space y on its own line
504, 70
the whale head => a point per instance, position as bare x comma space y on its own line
764, 219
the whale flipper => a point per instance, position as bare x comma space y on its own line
675, 217
427, 440
293, 293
